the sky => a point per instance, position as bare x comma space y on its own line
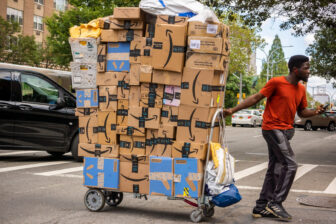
299, 45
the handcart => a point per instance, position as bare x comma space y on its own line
95, 198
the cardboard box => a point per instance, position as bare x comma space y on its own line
132, 145
196, 28
87, 98
206, 61
159, 142
172, 96
177, 20
135, 158
116, 24
135, 74
134, 177
169, 115
104, 23
120, 35
108, 98
188, 177
136, 49
134, 94
85, 129
122, 113
123, 90
127, 13
131, 131
106, 128
169, 47
101, 172
211, 45
167, 77
161, 175
151, 95
189, 150
83, 75
226, 47
150, 30
146, 72
152, 142
202, 87
80, 112
84, 50
226, 32
101, 59
141, 117
194, 124
98, 150
111, 78
117, 59
147, 51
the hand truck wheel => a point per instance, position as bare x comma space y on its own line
196, 215
209, 211
113, 199
94, 200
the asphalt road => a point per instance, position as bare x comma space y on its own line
37, 188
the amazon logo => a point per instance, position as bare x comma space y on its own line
130, 130
87, 111
185, 152
142, 120
173, 20
145, 178
187, 123
96, 153
168, 33
123, 85
139, 158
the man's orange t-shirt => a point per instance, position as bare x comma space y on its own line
283, 100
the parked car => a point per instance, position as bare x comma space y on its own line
247, 117
36, 111
326, 120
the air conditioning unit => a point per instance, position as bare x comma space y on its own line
38, 33
15, 0
38, 6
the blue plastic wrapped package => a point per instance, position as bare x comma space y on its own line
229, 197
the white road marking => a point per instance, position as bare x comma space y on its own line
331, 189
331, 137
302, 170
7, 169
257, 153
293, 190
257, 136
251, 170
17, 153
70, 175
62, 171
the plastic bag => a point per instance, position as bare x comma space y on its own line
187, 8
228, 197
212, 186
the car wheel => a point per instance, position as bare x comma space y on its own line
233, 125
308, 126
254, 124
74, 149
56, 154
331, 126
314, 128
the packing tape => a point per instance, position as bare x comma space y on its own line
177, 178
161, 176
100, 164
195, 176
100, 180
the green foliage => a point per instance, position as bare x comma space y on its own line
7, 30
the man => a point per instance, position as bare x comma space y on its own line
285, 96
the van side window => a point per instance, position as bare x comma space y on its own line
37, 90
5, 85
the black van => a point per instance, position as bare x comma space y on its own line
36, 111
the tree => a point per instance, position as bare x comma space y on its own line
7, 31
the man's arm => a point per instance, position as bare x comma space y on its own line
251, 100
311, 112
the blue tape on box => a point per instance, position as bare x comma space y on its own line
161, 176
87, 98
117, 59
185, 168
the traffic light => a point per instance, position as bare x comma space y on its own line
244, 95
238, 95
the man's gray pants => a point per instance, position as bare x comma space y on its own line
281, 167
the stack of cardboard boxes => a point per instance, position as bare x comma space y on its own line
147, 123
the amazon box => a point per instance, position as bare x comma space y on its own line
83, 75
150, 30
206, 61
194, 124
147, 51
104, 23
188, 177
151, 95
106, 128
167, 77
122, 112
134, 96
142, 117
132, 145
161, 175
202, 87
226, 47
87, 98
189, 150
127, 13
134, 177
80, 112
123, 89
169, 115
159, 142
101, 173
98, 150
152, 141
136, 49
108, 98
101, 59
118, 57
120, 35
85, 129
172, 96
117, 24
169, 47
177, 20
196, 28
146, 72
135, 74
137, 158
131, 131
111, 78
211, 45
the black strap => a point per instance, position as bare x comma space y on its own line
135, 164
184, 123
140, 145
147, 52
149, 41
171, 19
122, 112
81, 130
127, 24
185, 85
135, 53
123, 84
113, 127
99, 129
209, 88
173, 118
151, 30
136, 188
179, 49
124, 144
130, 35
164, 113
186, 150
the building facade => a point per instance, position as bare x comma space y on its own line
30, 15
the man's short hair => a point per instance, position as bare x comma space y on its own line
297, 61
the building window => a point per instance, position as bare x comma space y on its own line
39, 1
15, 15
60, 5
38, 23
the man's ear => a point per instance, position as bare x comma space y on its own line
295, 70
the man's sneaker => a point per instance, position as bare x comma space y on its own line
259, 213
277, 210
